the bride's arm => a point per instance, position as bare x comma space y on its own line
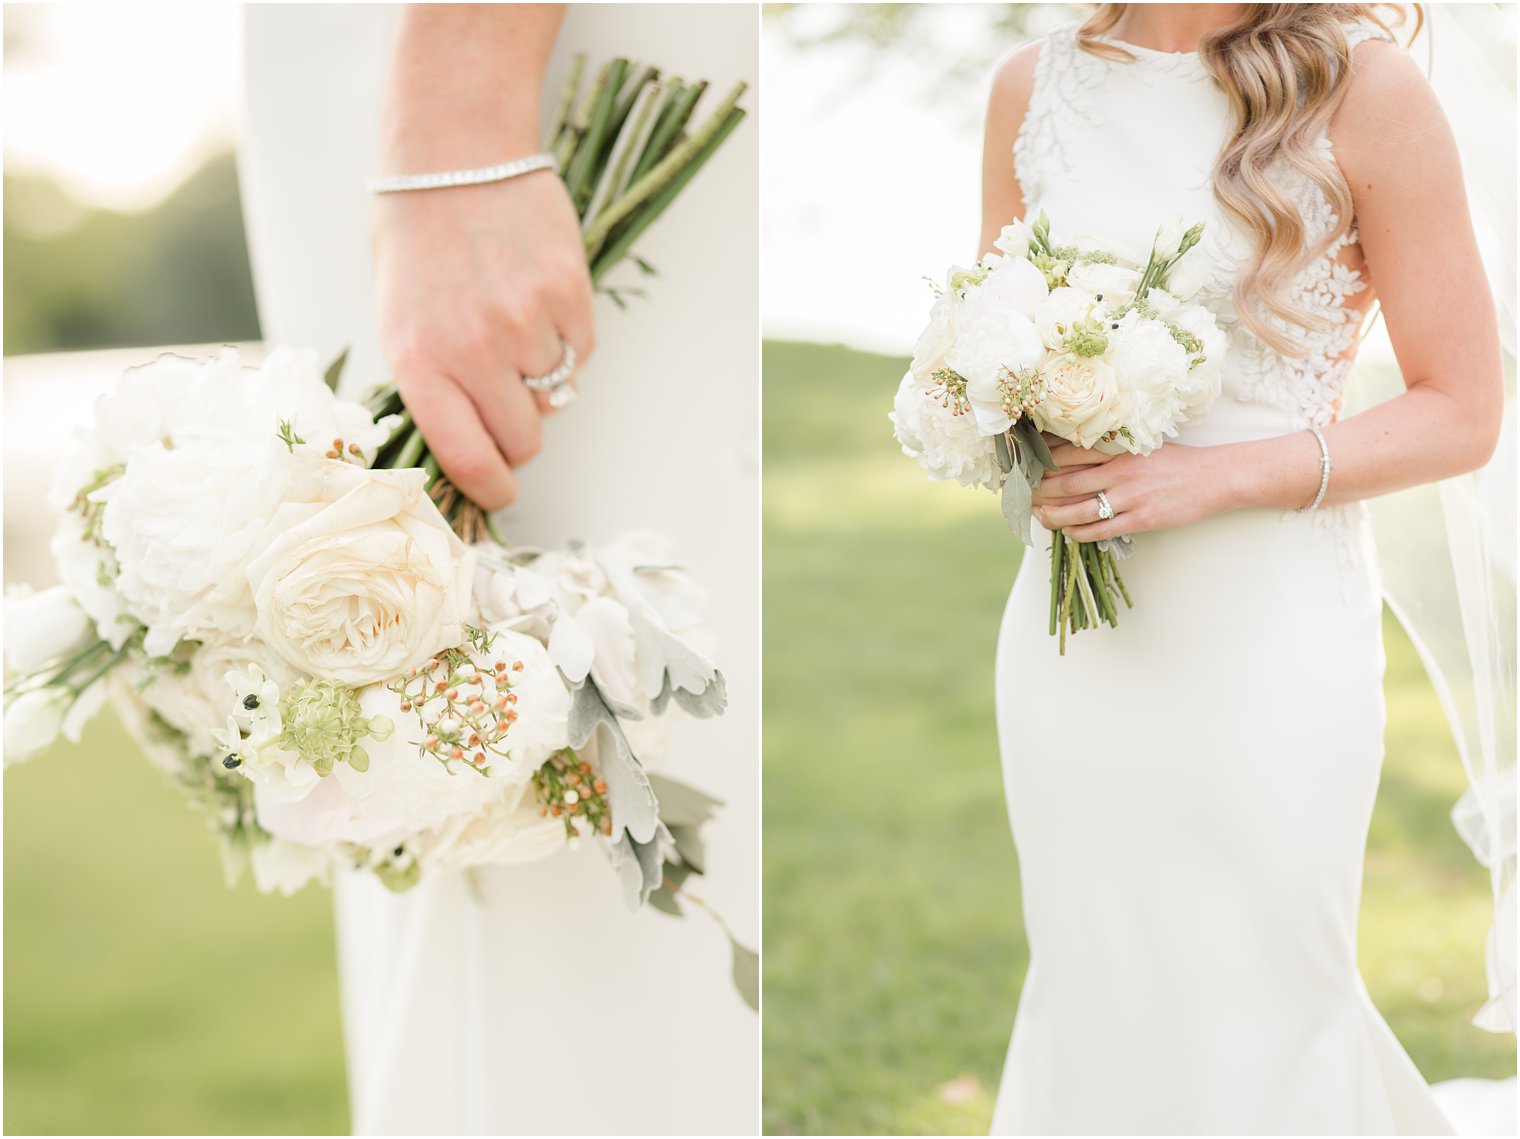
1397, 151
1002, 197
476, 285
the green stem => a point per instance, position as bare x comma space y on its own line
567, 100
1113, 568
1057, 544
669, 170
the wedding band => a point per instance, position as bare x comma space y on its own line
1105, 509
556, 384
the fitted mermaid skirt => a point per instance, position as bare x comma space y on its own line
1190, 794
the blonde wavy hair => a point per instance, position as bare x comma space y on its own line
1283, 68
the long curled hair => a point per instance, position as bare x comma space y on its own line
1283, 68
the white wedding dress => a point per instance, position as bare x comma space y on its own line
544, 1006
1191, 804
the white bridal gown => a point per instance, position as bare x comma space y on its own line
547, 1007
1191, 803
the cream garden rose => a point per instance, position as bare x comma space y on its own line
1083, 399
362, 580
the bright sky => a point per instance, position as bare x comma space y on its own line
120, 101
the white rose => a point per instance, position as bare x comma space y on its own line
1115, 284
1010, 285
1013, 241
286, 867
43, 626
363, 580
33, 722
936, 340
1169, 238
1083, 399
946, 446
1186, 278
1063, 308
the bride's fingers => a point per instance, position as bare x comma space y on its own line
1079, 513
459, 441
1040, 498
541, 352
1069, 483
1065, 455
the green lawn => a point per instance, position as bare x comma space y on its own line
893, 948
142, 996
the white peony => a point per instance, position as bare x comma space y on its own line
360, 579
936, 340
183, 520
89, 572
1152, 366
508, 832
1115, 284
1002, 338
1084, 399
947, 446
1188, 277
292, 390
43, 626
1010, 284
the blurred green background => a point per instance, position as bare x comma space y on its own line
893, 944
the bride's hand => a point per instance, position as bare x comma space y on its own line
479, 286
1172, 486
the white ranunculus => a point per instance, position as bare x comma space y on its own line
287, 867
1084, 399
1011, 285
362, 579
33, 721
1116, 284
325, 817
936, 340
1063, 308
1013, 240
947, 446
43, 626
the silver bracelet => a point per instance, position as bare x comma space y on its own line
516, 168
1325, 467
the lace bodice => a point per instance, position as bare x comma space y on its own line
1112, 149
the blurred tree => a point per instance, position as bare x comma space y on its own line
79, 278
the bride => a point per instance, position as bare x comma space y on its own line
1191, 804
529, 1000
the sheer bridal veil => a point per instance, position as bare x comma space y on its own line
1447, 551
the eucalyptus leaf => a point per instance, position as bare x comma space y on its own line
334, 371
681, 804
1018, 507
691, 848
1036, 443
746, 973
665, 901
1004, 455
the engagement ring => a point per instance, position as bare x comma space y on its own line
556, 384
1105, 510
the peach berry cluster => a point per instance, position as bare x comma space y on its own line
464, 711
568, 789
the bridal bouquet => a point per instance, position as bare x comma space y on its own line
299, 639
1067, 339
332, 650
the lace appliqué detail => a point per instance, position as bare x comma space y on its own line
1062, 75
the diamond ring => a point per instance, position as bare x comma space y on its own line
556, 384
1105, 508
